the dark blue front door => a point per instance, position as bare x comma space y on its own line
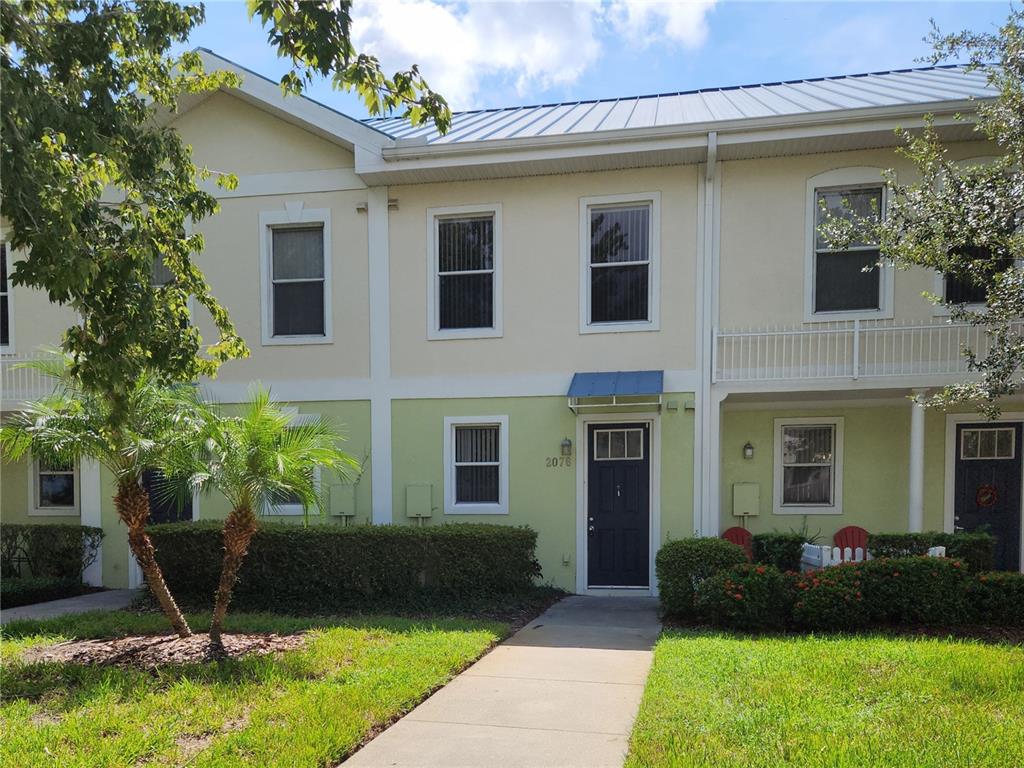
988, 485
618, 505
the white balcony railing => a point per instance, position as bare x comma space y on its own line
18, 383
846, 350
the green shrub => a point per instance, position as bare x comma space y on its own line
830, 599
50, 549
783, 550
916, 590
745, 597
25, 590
324, 568
976, 550
681, 566
997, 598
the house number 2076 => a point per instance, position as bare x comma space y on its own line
558, 461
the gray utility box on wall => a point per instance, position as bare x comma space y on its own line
419, 500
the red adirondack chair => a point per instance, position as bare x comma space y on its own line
851, 536
742, 537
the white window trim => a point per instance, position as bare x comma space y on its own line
297, 420
843, 178
450, 506
292, 214
434, 330
35, 510
653, 323
836, 508
8, 348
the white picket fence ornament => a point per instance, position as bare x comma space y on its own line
816, 556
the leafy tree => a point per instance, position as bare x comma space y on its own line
255, 459
74, 423
964, 219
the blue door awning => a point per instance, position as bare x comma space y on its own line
616, 384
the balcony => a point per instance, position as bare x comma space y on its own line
886, 350
18, 384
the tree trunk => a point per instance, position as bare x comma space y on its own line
239, 528
132, 503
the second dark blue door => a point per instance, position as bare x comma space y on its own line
618, 505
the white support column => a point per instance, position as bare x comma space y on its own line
90, 500
380, 354
915, 512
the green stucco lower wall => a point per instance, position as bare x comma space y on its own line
540, 496
876, 456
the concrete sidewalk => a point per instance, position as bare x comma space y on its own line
563, 691
109, 600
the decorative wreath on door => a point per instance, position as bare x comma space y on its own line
986, 495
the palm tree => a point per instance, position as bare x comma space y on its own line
255, 459
74, 423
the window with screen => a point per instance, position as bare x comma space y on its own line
476, 465
619, 279
968, 289
465, 272
298, 282
808, 466
55, 485
847, 279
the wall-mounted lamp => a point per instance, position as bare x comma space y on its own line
748, 451
567, 447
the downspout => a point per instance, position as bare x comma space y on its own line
705, 449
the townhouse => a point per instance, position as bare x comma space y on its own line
611, 321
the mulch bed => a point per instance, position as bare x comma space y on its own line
148, 651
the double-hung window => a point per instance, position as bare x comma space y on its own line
808, 466
296, 276
476, 461
289, 503
619, 263
963, 289
464, 298
54, 488
847, 279
5, 302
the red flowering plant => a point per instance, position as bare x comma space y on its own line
916, 590
997, 598
832, 598
745, 597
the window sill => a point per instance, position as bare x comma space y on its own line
54, 512
797, 510
293, 341
632, 327
464, 333
477, 509
855, 314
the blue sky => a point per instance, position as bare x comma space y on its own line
489, 54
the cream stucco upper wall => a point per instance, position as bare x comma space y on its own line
232, 136
36, 322
541, 277
231, 263
764, 236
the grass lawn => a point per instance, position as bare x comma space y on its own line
726, 700
307, 707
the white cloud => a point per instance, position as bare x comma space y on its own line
532, 44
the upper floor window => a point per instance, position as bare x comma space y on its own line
476, 462
465, 288
160, 275
619, 277
846, 282
5, 301
296, 276
963, 289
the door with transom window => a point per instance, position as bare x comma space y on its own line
988, 486
618, 505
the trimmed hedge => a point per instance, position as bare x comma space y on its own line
998, 598
745, 597
783, 550
976, 550
25, 590
681, 566
55, 550
324, 568
829, 599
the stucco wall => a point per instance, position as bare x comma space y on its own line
540, 496
876, 455
764, 236
541, 277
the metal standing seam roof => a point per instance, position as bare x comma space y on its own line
617, 383
902, 87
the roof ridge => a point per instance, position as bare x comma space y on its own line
714, 89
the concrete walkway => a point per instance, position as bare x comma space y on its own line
563, 691
110, 600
